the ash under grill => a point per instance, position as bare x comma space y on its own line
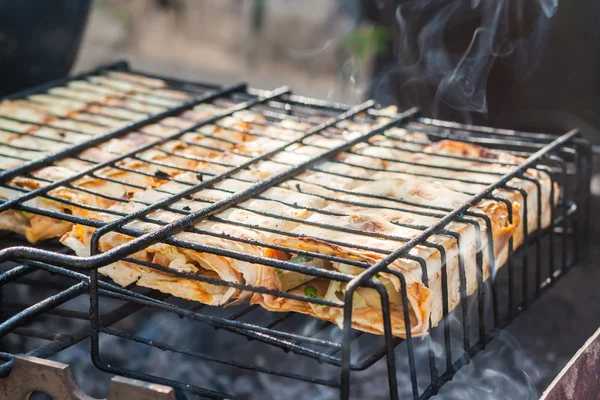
105, 105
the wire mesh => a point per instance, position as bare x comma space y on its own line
145, 161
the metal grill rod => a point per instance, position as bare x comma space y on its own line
118, 65
35, 164
364, 278
96, 236
31, 194
335, 106
41, 307
143, 241
470, 203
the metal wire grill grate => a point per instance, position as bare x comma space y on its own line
197, 154
47, 321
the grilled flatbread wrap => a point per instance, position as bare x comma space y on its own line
309, 188
376, 169
47, 123
425, 301
427, 193
504, 163
37, 227
180, 259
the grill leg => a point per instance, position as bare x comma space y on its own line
346, 343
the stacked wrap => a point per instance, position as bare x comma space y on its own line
359, 206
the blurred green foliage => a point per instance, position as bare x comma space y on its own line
112, 8
258, 15
367, 40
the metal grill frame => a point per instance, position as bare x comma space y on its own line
72, 284
562, 158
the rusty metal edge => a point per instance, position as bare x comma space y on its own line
31, 374
580, 378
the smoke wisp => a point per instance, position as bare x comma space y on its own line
444, 51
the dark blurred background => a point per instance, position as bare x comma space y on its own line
530, 65
39, 40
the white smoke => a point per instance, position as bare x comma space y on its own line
499, 372
445, 50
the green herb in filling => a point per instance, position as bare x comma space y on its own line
27, 214
310, 291
300, 259
278, 271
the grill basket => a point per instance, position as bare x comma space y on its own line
532, 268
